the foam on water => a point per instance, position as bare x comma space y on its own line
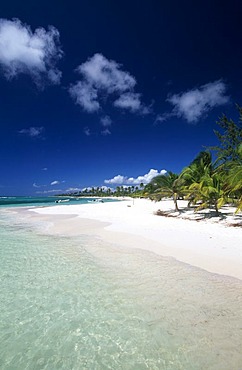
77, 303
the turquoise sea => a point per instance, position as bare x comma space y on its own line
79, 303
43, 201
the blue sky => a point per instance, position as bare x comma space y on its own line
108, 93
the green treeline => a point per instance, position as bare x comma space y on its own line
206, 182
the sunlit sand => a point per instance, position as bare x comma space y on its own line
210, 244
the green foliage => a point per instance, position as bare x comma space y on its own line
196, 169
168, 185
234, 178
230, 137
206, 183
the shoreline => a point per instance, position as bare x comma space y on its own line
132, 224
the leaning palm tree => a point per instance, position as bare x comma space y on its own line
234, 179
205, 183
210, 191
168, 185
193, 174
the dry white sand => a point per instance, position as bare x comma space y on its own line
209, 244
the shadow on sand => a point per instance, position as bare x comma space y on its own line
226, 214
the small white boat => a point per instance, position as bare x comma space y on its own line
100, 201
62, 200
96, 201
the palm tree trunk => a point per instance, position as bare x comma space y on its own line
175, 202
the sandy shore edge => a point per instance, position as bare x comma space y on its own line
132, 223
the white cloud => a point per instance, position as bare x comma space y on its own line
102, 77
32, 131
45, 169
86, 96
56, 182
132, 102
106, 121
193, 104
106, 74
145, 179
34, 53
73, 189
119, 179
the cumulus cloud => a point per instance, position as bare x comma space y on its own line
33, 53
35, 132
192, 105
119, 179
132, 102
145, 179
106, 74
101, 77
85, 95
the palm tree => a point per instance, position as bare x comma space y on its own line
234, 178
195, 170
210, 190
117, 191
205, 182
193, 174
168, 185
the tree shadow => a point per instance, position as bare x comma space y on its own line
189, 213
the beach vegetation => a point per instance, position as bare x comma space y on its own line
229, 135
234, 179
204, 183
209, 181
168, 185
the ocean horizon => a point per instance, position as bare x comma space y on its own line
81, 303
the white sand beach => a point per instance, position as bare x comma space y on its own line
207, 244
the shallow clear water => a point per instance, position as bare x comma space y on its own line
75, 303
45, 201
